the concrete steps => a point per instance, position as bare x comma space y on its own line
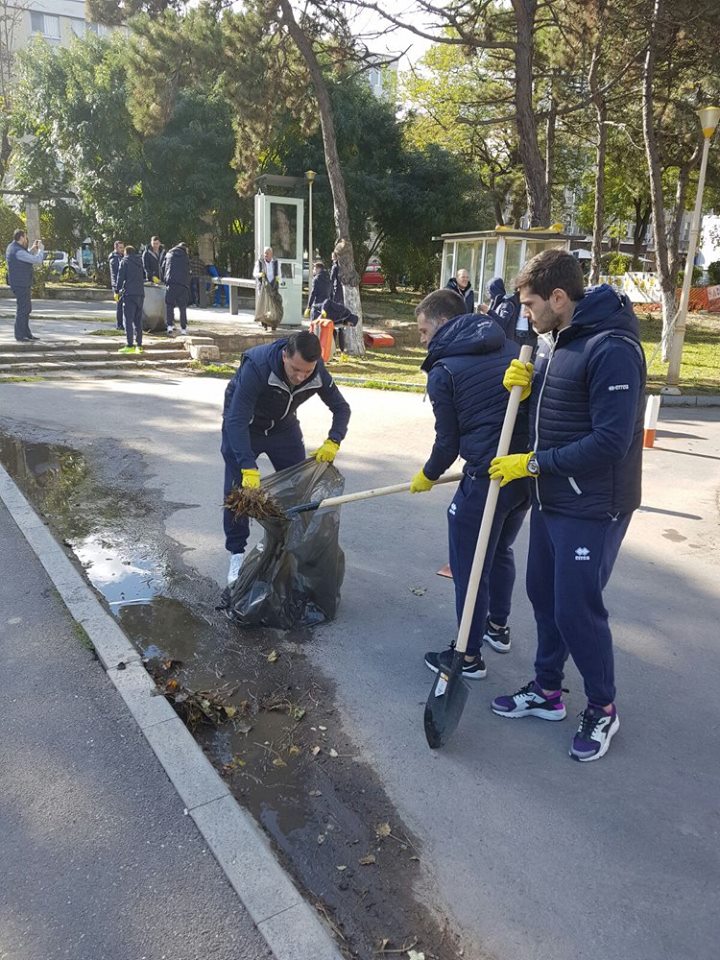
85, 355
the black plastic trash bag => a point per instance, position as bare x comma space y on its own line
293, 576
269, 309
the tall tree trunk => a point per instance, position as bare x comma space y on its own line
601, 145
681, 190
642, 219
550, 127
662, 258
528, 148
344, 248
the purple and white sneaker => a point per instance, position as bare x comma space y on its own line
530, 701
594, 734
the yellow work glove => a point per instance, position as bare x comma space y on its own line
250, 479
307, 313
116, 297
420, 483
519, 375
327, 452
323, 316
512, 467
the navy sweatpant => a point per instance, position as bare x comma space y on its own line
569, 564
176, 295
132, 314
23, 308
498, 577
284, 448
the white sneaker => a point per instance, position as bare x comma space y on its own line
236, 562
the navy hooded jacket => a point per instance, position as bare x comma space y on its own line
153, 262
467, 359
468, 294
586, 410
496, 292
176, 267
131, 276
321, 288
114, 260
259, 398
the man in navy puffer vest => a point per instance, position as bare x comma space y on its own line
586, 431
467, 357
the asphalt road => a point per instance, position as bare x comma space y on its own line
97, 860
530, 853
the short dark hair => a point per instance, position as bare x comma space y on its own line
441, 305
18, 234
153, 239
319, 263
304, 343
129, 248
552, 270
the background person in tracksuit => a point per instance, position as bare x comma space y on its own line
260, 416
176, 274
131, 285
20, 262
321, 286
586, 432
114, 261
460, 283
153, 257
466, 361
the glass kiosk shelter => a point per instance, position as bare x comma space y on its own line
496, 253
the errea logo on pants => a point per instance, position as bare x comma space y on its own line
452, 509
582, 553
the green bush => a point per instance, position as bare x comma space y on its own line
697, 276
40, 276
3, 271
617, 264
714, 272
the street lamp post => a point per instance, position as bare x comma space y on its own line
310, 175
709, 118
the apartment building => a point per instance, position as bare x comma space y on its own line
56, 21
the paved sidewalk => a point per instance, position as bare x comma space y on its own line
98, 860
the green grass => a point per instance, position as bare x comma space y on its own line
112, 332
28, 379
224, 370
700, 369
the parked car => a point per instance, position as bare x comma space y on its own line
373, 276
57, 261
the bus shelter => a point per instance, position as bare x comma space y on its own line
496, 253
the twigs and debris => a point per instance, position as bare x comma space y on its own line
255, 503
194, 707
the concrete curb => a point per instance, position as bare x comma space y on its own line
292, 930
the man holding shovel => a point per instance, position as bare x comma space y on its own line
467, 354
586, 415
260, 416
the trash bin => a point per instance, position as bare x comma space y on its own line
154, 307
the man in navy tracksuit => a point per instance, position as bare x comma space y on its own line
321, 286
176, 274
586, 432
466, 361
131, 286
260, 416
153, 258
114, 261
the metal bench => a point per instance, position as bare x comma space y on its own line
234, 284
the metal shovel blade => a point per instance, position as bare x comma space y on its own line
445, 704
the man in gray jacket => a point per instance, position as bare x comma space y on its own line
20, 262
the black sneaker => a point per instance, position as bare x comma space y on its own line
497, 637
474, 669
594, 734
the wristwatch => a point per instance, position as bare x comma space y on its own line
532, 466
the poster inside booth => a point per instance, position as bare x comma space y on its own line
279, 224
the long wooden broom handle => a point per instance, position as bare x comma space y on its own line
379, 492
489, 514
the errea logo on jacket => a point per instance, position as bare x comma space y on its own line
582, 553
619, 386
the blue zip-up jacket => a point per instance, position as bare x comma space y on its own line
176, 267
153, 262
467, 359
468, 294
259, 399
586, 410
131, 276
115, 259
321, 288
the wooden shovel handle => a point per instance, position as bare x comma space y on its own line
489, 514
379, 492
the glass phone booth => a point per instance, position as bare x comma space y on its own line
279, 224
